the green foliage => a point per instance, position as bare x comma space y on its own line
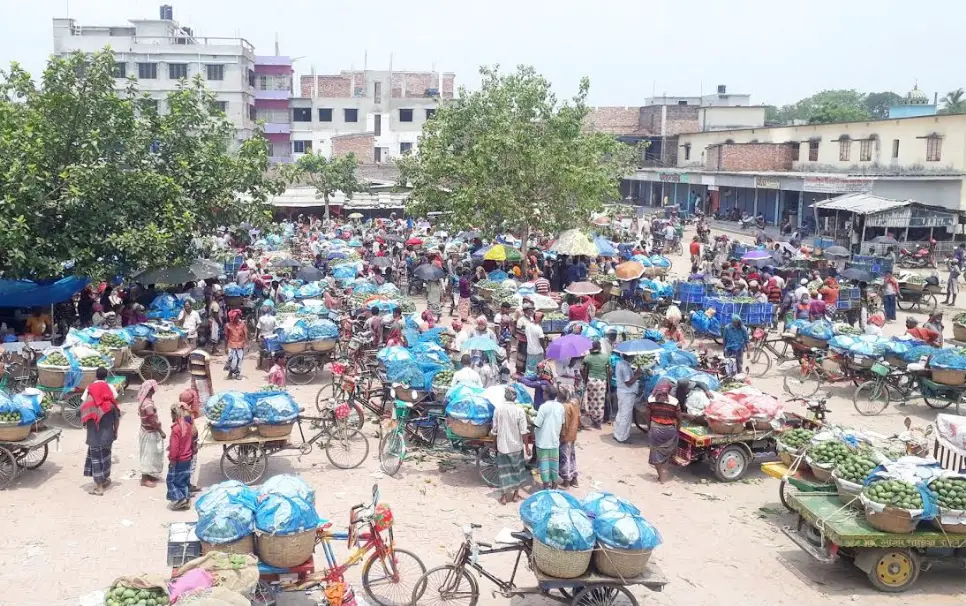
954, 103
828, 106
327, 176
878, 104
511, 158
98, 177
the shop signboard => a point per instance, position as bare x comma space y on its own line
675, 178
837, 185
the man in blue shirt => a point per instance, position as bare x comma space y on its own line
573, 274
735, 340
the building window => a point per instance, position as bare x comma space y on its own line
377, 124
934, 149
263, 83
845, 146
251, 78
120, 70
215, 72
687, 151
405, 146
151, 104
325, 114
377, 154
222, 106
302, 147
302, 114
271, 149
895, 149
350, 115
252, 113
813, 150
430, 113
405, 115
148, 71
796, 150
865, 150
377, 92
177, 71
682, 102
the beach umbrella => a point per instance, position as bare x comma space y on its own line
381, 262
601, 221
568, 346
355, 216
604, 247
856, 275
500, 252
583, 288
624, 317
636, 347
285, 262
573, 242
201, 269
414, 242
884, 240
428, 272
309, 274
629, 270
479, 344
837, 251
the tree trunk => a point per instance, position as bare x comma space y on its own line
525, 251
325, 197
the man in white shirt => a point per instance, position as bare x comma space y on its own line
627, 378
189, 320
669, 233
466, 375
549, 421
266, 323
244, 276
535, 338
801, 290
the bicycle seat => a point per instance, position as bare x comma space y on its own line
476, 300
522, 535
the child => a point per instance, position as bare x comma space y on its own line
549, 422
180, 452
568, 438
276, 376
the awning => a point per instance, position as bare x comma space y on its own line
862, 203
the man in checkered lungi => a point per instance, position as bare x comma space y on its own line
510, 426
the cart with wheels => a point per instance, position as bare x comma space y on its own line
797, 479
729, 456
304, 366
70, 401
828, 531
157, 365
919, 296
29, 453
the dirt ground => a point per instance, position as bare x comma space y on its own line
722, 542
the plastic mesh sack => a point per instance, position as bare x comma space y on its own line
842, 343
346, 271
821, 330
948, 358
16, 411
229, 409
871, 349
799, 325
283, 515
228, 492
897, 347
287, 485
274, 408
30, 398
234, 290
917, 352
225, 523
677, 357
406, 373
164, 307
309, 291
387, 355
622, 530
388, 289
565, 528
537, 506
660, 261
598, 503
460, 391
432, 336
523, 396
431, 358
323, 329
295, 334
474, 409
287, 292
365, 288
727, 410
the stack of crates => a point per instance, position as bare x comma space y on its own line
876, 265
751, 314
823, 243
691, 293
849, 298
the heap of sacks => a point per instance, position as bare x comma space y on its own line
737, 407
416, 366
230, 409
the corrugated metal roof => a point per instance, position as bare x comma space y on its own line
301, 196
862, 203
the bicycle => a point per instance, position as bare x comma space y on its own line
355, 385
812, 371
758, 356
899, 385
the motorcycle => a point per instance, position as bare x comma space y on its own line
704, 235
921, 258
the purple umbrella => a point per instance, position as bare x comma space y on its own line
756, 255
568, 346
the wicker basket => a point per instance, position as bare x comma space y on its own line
848, 492
559, 563
787, 456
891, 519
323, 344
949, 528
621, 563
948, 377
286, 551
14, 433
51, 376
808, 341
760, 425
864, 362
821, 474
465, 429
225, 435
912, 286
245, 544
88, 376
725, 428
120, 355
296, 348
167, 345
139, 345
275, 431
959, 331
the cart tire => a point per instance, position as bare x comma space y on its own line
640, 421
688, 331
245, 464
871, 398
392, 451
32, 459
301, 368
802, 386
8, 468
760, 360
486, 466
155, 367
936, 403
447, 584
928, 303
895, 570
782, 487
604, 595
347, 447
70, 410
905, 303
392, 587
731, 464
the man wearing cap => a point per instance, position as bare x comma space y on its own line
735, 340
930, 336
627, 378
802, 289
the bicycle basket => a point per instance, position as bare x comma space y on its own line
880, 369
382, 518
342, 411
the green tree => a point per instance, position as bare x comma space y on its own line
878, 104
98, 178
834, 106
954, 103
511, 158
327, 176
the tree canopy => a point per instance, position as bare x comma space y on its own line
954, 102
327, 176
511, 158
98, 181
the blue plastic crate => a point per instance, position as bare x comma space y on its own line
758, 319
824, 242
695, 299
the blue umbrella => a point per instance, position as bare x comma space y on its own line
479, 344
604, 246
336, 255
637, 346
479, 254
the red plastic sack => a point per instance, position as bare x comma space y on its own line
763, 407
726, 410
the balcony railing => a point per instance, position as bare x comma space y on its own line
195, 40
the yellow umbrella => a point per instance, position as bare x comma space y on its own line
499, 252
573, 242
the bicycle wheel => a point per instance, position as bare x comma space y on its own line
390, 581
760, 362
392, 451
301, 368
802, 385
871, 398
347, 447
604, 595
927, 303
329, 392
905, 303
486, 466
446, 585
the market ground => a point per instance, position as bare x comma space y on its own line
722, 542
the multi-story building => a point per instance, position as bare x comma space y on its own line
377, 115
273, 94
160, 53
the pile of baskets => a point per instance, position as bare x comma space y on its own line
320, 345
12, 432
947, 376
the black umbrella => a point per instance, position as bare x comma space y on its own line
468, 235
381, 262
885, 240
309, 274
197, 270
429, 272
285, 262
395, 238
856, 275
837, 251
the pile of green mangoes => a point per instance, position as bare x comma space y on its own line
896, 493
165, 334
829, 452
92, 362
407, 306
113, 340
554, 315
214, 413
796, 438
855, 468
47, 402
443, 378
271, 389
125, 596
10, 418
950, 493
644, 360
55, 359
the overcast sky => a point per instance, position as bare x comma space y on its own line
776, 51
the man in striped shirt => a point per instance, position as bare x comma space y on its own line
541, 285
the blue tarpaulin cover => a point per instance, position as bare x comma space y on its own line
26, 293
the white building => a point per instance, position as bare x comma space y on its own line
160, 53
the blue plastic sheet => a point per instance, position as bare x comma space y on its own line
323, 329
498, 275
139, 331
226, 523
673, 356
229, 409
660, 261
274, 408
287, 292
388, 355
917, 352
9, 406
899, 348
431, 336
164, 307
230, 491
870, 349
234, 290
821, 329
388, 289
643, 260
310, 291
346, 271
705, 325
26, 293
365, 288
283, 515
471, 408
622, 530
600, 502
287, 485
295, 334
654, 335
586, 330
948, 359
565, 528
523, 396
842, 343
537, 506
30, 398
